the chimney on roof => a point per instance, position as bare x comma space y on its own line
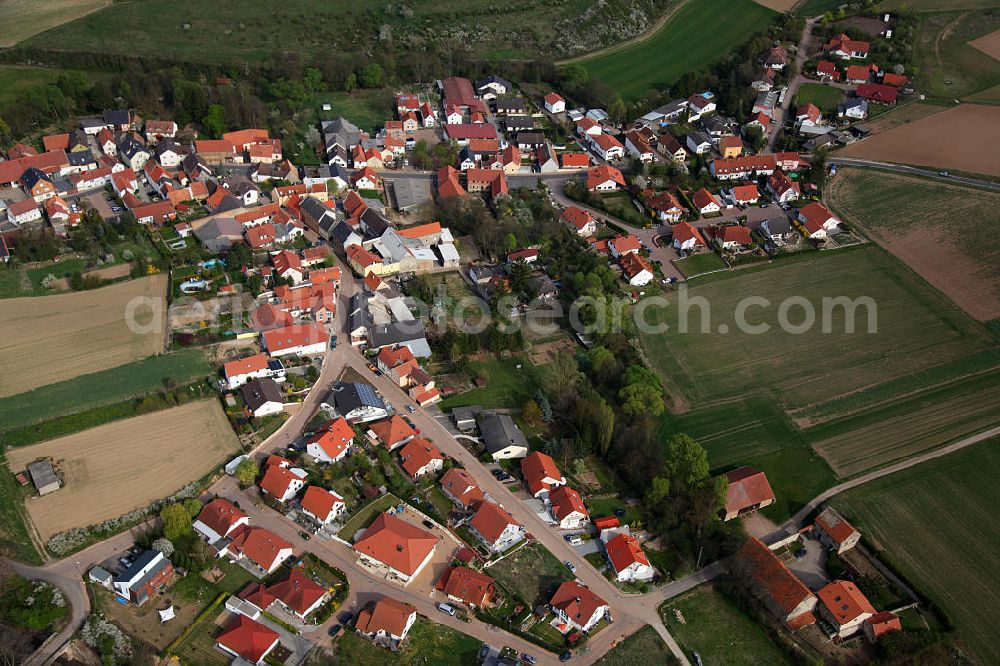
399, 548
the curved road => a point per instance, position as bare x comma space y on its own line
834, 158
639, 39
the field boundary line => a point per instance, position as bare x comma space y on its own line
621, 46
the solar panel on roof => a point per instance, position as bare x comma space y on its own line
367, 394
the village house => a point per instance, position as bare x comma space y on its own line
395, 545
501, 436
262, 397
782, 188
495, 527
732, 236
541, 474
262, 549
248, 640
846, 48
706, 202
567, 508
604, 178
282, 481
844, 606
419, 457
392, 432
826, 70
627, 559
748, 491
778, 229
218, 520
554, 103
461, 488
575, 605
332, 442
817, 220
699, 143
387, 622
775, 57
687, 237
880, 624
636, 270
781, 592
307, 339
743, 195
358, 402
144, 577
580, 220
323, 505
834, 532
468, 586
699, 105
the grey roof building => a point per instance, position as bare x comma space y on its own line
406, 194
341, 132
501, 435
43, 476
357, 401
260, 392
409, 333
220, 233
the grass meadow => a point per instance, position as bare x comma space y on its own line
827, 98
949, 67
931, 522
693, 39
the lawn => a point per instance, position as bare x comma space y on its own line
690, 41
827, 98
698, 264
764, 399
601, 507
811, 8
949, 66
368, 109
506, 384
718, 630
532, 574
932, 522
22, 18
15, 541
427, 643
199, 646
366, 515
643, 648
17, 282
107, 387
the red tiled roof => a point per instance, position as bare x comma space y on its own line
731, 142
421, 230
877, 92
393, 430
684, 231
606, 522
632, 264
603, 173
895, 80
745, 163
574, 160
467, 584
277, 480
858, 72
844, 601
606, 142
396, 543
746, 192
553, 97
576, 601
245, 366
578, 217
260, 545
846, 44
884, 622
464, 132
703, 198
56, 142
298, 592
249, 639
536, 468
834, 525
220, 515
771, 574
733, 233
460, 485
203, 146
388, 615
826, 67
491, 520
417, 453
294, 335
624, 551
816, 213
334, 437
565, 501
320, 501
747, 487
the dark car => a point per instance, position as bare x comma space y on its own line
620, 512
428, 524
334, 630
566, 656
345, 617
305, 535
484, 652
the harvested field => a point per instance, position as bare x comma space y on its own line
988, 96
902, 115
778, 5
22, 18
939, 230
932, 521
988, 44
116, 468
50, 339
952, 139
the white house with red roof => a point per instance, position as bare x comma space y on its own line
580, 220
567, 508
392, 432
619, 246
833, 531
420, 457
240, 371
846, 48
608, 147
706, 202
394, 545
604, 178
541, 474
554, 103
575, 605
844, 606
748, 491
636, 270
782, 188
461, 488
308, 339
325, 506
817, 220
218, 519
282, 481
387, 621
260, 547
332, 442
588, 127
298, 594
495, 527
248, 640
687, 237
628, 559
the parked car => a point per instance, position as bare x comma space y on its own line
570, 566
566, 656
428, 524
576, 541
528, 659
620, 512
345, 617
305, 535
484, 651
446, 608
411, 408
334, 630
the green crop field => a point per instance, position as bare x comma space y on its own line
827, 98
777, 399
101, 388
22, 18
949, 66
932, 522
810, 8
643, 648
718, 630
693, 39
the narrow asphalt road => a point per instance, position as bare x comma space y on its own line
834, 158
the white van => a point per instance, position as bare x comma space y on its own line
446, 608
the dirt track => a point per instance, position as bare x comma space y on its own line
48, 339
115, 468
953, 139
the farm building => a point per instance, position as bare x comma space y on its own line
43, 476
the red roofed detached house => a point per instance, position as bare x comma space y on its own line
387, 622
834, 532
461, 488
394, 544
568, 509
322, 504
298, 594
419, 457
331, 442
283, 483
894, 80
817, 220
826, 69
607, 146
248, 639
298, 339
582, 222
574, 160
604, 178
687, 237
554, 103
877, 92
392, 432
218, 519
732, 236
541, 474
780, 590
844, 47
577, 606
261, 547
745, 194
881, 624
627, 558
495, 527
844, 606
705, 202
748, 491
467, 586
636, 270
782, 188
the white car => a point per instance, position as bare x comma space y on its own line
446, 608
570, 566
